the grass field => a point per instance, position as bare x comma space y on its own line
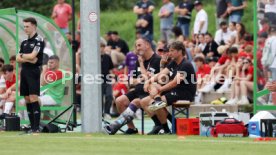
100, 144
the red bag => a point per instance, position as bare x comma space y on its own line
230, 127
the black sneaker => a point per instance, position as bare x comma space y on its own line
163, 132
108, 130
130, 131
155, 130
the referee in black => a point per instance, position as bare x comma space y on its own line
30, 56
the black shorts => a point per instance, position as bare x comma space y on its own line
138, 92
175, 95
30, 81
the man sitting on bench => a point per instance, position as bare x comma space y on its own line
54, 95
182, 85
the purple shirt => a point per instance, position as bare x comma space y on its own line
130, 61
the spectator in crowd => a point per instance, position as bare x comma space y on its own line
243, 82
210, 49
2, 84
184, 12
119, 88
160, 46
200, 43
222, 64
62, 14
264, 26
130, 63
118, 44
140, 5
201, 19
107, 67
13, 61
270, 11
223, 35
221, 14
178, 34
8, 98
145, 24
165, 57
236, 10
166, 19
241, 32
203, 71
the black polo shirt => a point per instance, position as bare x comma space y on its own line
186, 87
29, 45
187, 18
142, 4
152, 65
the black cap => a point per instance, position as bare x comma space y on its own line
197, 2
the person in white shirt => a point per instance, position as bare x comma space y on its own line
201, 20
223, 35
270, 11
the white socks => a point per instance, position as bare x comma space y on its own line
8, 107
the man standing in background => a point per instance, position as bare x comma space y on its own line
166, 19
140, 5
184, 11
221, 15
201, 20
62, 14
235, 10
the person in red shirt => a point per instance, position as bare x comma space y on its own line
203, 70
8, 98
243, 83
247, 52
61, 14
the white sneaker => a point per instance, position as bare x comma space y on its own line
243, 101
157, 105
207, 88
107, 117
232, 101
223, 88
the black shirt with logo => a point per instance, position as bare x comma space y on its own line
142, 4
152, 65
187, 18
149, 28
29, 45
186, 87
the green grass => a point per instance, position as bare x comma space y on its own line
124, 21
100, 144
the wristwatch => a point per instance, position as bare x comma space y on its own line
21, 55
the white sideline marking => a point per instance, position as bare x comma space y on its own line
147, 139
